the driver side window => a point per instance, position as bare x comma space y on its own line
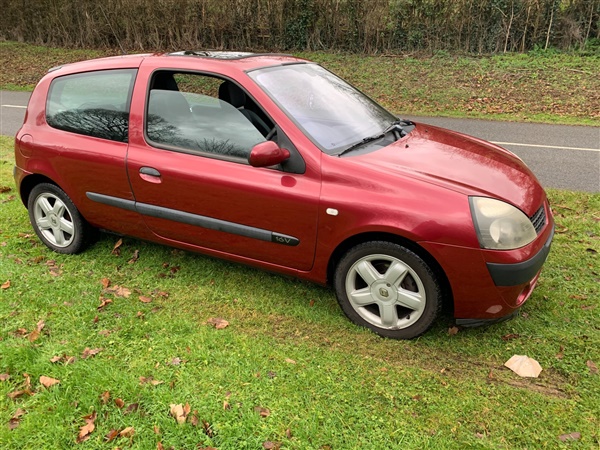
202, 114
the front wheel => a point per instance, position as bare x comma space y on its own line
56, 220
388, 289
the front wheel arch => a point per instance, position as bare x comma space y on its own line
389, 289
353, 241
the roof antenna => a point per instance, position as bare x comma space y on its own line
112, 29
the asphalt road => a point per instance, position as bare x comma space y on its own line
564, 157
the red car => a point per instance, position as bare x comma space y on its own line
275, 162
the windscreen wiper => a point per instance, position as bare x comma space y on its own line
400, 126
397, 126
360, 143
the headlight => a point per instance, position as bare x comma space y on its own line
500, 226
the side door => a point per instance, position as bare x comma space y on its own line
193, 185
87, 134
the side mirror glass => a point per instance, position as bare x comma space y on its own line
267, 154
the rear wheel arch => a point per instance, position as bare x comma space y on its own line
30, 182
56, 220
353, 241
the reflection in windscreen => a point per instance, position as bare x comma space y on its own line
331, 112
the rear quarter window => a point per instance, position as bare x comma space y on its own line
92, 103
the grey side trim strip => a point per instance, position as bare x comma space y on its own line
129, 205
195, 220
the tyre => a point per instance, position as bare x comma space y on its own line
56, 220
388, 289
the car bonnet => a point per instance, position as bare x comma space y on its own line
461, 163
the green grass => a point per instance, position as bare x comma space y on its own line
325, 382
552, 88
549, 87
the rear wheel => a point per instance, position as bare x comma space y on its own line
56, 220
388, 289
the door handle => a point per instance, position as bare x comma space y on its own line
150, 174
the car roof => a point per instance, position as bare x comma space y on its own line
241, 60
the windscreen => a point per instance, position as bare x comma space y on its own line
333, 114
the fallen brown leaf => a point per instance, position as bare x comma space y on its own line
150, 380
145, 299
103, 302
5, 285
118, 291
268, 445
5, 189
453, 331
4, 376
194, 419
27, 381
13, 423
119, 402
15, 420
132, 408
134, 257
21, 332
524, 366
48, 381
161, 294
593, 368
510, 336
111, 435
20, 412
86, 430
177, 411
105, 283
117, 248
16, 394
290, 361
263, 412
88, 352
33, 336
560, 354
207, 429
570, 437
127, 432
218, 323
105, 397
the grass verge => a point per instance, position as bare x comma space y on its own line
540, 86
129, 337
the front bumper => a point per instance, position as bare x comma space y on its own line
487, 285
471, 323
519, 273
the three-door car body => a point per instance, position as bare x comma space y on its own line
275, 162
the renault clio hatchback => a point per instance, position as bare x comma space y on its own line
273, 161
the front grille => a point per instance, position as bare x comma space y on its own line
538, 220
